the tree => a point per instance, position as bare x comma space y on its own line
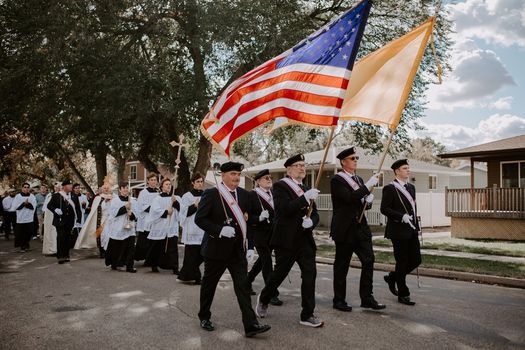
426, 150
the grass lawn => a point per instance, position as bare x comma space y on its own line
457, 248
485, 267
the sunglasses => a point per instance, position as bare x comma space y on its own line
353, 158
267, 177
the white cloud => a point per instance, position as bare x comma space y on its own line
499, 22
502, 103
476, 74
495, 127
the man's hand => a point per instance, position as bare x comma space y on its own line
407, 219
370, 198
312, 194
307, 222
264, 215
227, 231
58, 211
373, 180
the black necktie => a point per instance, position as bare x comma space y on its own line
406, 186
233, 195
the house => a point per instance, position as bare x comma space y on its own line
497, 211
480, 176
430, 180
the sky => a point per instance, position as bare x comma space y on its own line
483, 98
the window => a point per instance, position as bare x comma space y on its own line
432, 182
133, 172
513, 174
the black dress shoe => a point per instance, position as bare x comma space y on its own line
175, 272
391, 284
275, 301
256, 329
207, 325
343, 307
131, 269
113, 267
372, 304
406, 301
154, 269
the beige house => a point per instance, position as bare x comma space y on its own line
498, 211
430, 180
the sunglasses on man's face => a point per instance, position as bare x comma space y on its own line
353, 158
25, 186
267, 177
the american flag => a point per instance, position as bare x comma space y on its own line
305, 84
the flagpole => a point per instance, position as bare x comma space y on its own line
387, 146
321, 167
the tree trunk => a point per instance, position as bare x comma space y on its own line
204, 156
76, 171
121, 169
101, 164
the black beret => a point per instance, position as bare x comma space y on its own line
345, 153
260, 174
294, 159
399, 163
66, 182
231, 166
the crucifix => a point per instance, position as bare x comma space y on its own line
179, 144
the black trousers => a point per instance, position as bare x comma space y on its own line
238, 268
343, 255
63, 241
143, 245
9, 223
193, 259
23, 234
263, 263
74, 236
284, 260
408, 257
120, 252
164, 253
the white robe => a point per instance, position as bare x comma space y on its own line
49, 246
191, 233
87, 237
24, 215
144, 201
116, 224
161, 228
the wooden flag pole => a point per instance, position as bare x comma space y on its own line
321, 167
387, 145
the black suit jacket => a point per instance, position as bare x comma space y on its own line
260, 232
394, 205
210, 218
67, 219
347, 207
288, 231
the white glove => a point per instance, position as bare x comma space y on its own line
311, 194
370, 198
264, 215
373, 180
407, 219
307, 222
58, 211
227, 231
249, 255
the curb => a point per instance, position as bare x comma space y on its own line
447, 274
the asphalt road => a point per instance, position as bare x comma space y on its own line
84, 305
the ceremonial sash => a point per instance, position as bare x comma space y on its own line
405, 193
294, 186
236, 210
266, 196
63, 194
355, 186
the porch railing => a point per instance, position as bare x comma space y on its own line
495, 202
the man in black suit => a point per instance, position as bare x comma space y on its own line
222, 215
399, 206
260, 226
349, 194
63, 210
293, 240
